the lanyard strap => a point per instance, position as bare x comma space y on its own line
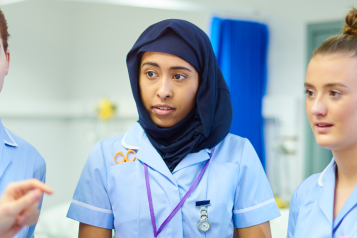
179, 205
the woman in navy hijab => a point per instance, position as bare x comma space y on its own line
177, 172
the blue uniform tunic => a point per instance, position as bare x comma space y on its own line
19, 161
113, 196
311, 208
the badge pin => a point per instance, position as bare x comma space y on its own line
204, 225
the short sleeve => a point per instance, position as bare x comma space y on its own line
254, 201
91, 204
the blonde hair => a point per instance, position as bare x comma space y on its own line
345, 43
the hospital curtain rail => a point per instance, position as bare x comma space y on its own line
241, 51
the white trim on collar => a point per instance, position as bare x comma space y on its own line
319, 181
133, 147
209, 150
13, 143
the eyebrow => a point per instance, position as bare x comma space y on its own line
329, 85
150, 63
171, 68
307, 85
179, 67
335, 84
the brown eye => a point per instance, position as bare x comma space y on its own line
179, 76
309, 93
335, 94
151, 74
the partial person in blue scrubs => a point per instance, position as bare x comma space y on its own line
18, 159
177, 172
325, 204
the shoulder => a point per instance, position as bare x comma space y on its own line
23, 153
104, 151
20, 145
234, 148
109, 145
112, 142
306, 187
233, 141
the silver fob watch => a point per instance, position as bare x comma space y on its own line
204, 225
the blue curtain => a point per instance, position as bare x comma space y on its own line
241, 51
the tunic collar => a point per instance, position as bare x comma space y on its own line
326, 197
136, 139
327, 182
6, 137
347, 207
5, 156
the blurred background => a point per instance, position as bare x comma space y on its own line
68, 84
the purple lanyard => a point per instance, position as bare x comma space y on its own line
179, 205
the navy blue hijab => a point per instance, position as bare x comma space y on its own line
210, 121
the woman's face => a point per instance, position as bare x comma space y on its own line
331, 100
168, 87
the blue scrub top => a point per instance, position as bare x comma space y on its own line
19, 161
113, 196
311, 208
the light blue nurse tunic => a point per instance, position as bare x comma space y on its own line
19, 161
114, 196
311, 208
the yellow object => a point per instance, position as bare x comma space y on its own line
125, 159
106, 109
281, 203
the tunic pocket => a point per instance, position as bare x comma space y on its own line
123, 197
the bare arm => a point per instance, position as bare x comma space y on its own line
88, 231
258, 231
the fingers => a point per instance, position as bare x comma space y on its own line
27, 185
19, 204
29, 216
28, 200
13, 231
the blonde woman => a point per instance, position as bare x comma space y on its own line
324, 205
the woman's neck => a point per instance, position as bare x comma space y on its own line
346, 177
346, 161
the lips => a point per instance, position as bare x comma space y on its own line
323, 127
163, 109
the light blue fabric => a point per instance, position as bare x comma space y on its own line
111, 195
241, 50
19, 161
311, 208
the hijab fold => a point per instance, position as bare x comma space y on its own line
210, 121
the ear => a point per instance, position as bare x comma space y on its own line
7, 61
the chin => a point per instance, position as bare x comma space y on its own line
327, 142
162, 123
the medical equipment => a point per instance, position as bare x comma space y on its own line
125, 159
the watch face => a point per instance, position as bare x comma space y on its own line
204, 225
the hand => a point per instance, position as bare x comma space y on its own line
19, 206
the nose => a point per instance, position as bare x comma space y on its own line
319, 108
165, 91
